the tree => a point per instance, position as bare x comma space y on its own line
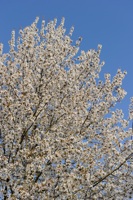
60, 134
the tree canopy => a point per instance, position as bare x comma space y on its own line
61, 134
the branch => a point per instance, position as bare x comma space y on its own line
101, 179
56, 184
38, 176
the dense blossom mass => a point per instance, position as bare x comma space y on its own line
61, 137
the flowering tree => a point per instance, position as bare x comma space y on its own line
60, 136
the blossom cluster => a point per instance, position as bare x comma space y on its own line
60, 134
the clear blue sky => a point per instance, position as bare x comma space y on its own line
106, 22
